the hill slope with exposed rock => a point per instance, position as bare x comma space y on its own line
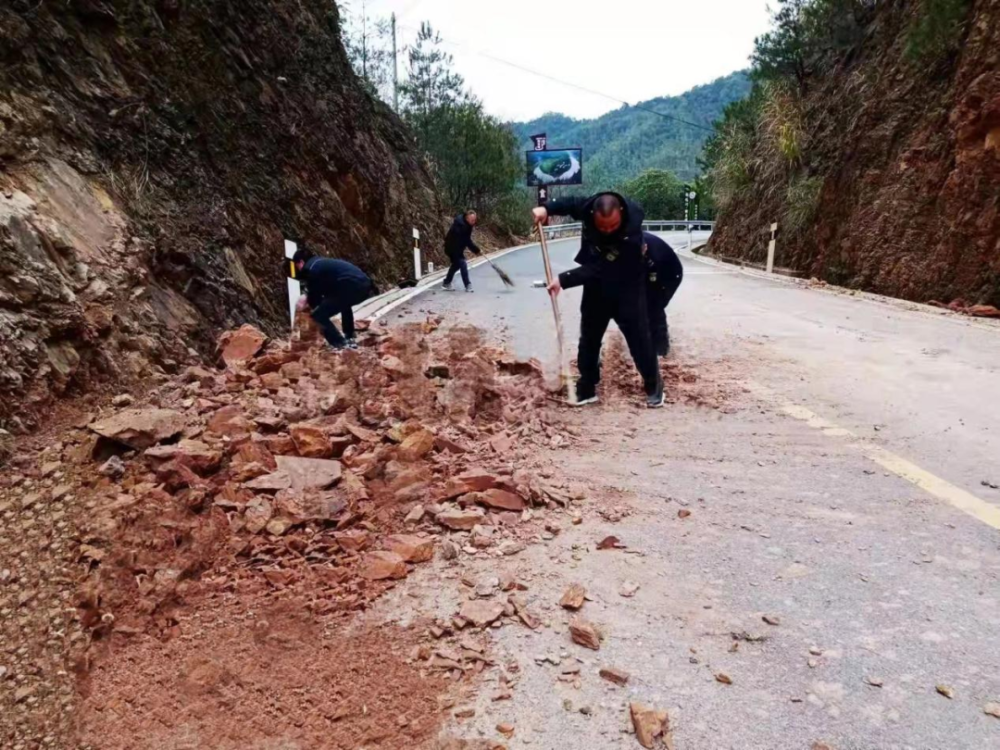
885, 173
153, 157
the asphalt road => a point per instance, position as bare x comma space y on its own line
843, 489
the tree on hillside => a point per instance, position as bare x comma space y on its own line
368, 44
804, 33
658, 191
431, 87
474, 155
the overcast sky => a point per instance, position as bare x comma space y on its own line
631, 49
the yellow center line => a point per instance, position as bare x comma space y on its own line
902, 468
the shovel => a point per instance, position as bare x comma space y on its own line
564, 377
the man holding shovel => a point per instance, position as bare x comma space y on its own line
612, 272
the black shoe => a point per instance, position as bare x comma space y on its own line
585, 394
351, 344
654, 397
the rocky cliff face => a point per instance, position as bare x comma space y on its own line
908, 158
153, 156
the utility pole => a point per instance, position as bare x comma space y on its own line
395, 69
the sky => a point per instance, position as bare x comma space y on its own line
632, 50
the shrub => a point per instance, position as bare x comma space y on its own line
937, 29
801, 201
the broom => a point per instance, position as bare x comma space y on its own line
564, 376
507, 280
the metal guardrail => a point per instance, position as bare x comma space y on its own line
565, 230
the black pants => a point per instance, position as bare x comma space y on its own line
657, 298
341, 305
628, 309
458, 264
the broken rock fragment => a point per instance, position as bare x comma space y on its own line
229, 421
573, 597
585, 634
617, 676
309, 473
194, 454
354, 540
273, 482
257, 514
470, 481
413, 549
649, 724
481, 613
311, 441
416, 446
461, 520
498, 499
140, 428
240, 345
379, 566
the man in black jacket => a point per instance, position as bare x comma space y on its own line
612, 272
664, 276
459, 238
333, 287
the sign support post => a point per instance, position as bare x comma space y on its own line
416, 254
294, 287
771, 246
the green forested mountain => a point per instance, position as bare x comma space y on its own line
620, 144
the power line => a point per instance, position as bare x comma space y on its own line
570, 84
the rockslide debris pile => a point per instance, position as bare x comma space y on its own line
300, 471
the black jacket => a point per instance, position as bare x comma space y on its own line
459, 238
329, 278
662, 264
613, 261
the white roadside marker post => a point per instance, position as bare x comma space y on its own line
294, 287
771, 247
416, 254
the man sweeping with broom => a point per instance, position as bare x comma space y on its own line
458, 239
612, 273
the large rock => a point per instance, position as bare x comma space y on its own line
309, 473
241, 345
413, 549
378, 566
140, 428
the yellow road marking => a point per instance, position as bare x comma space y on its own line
925, 480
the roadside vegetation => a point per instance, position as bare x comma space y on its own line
761, 146
475, 158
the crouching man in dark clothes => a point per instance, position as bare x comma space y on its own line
458, 239
613, 275
665, 274
333, 287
